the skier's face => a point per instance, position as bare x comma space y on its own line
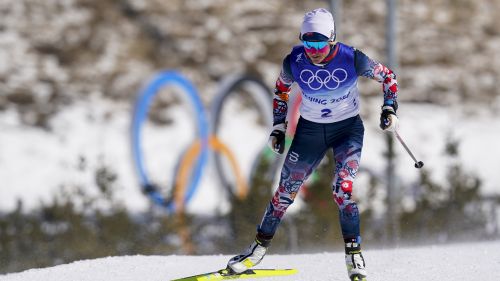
316, 51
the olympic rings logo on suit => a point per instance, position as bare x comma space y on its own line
192, 162
323, 78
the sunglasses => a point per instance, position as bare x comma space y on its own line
318, 45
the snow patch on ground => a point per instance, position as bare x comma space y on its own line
459, 262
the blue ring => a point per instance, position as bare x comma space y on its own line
141, 108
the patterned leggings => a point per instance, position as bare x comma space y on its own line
309, 146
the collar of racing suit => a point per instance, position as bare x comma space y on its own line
333, 52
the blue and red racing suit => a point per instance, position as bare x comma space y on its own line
329, 119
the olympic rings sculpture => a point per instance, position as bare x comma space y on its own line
193, 161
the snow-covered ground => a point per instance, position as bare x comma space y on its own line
460, 262
34, 163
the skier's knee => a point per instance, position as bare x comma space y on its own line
282, 199
343, 194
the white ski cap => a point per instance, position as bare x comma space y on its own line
319, 21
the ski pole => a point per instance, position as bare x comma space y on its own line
418, 164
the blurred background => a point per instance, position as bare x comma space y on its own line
71, 72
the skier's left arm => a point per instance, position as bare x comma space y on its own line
372, 69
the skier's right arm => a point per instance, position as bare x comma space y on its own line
280, 107
370, 68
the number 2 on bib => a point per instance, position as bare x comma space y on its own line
326, 113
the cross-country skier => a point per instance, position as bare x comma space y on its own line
327, 73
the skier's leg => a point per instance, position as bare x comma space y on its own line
347, 157
307, 149
347, 160
347, 153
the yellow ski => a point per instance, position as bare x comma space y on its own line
224, 274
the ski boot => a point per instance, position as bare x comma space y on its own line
355, 262
250, 257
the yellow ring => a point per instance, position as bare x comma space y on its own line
181, 180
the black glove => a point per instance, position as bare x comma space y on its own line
388, 118
277, 138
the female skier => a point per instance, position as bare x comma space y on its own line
327, 73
